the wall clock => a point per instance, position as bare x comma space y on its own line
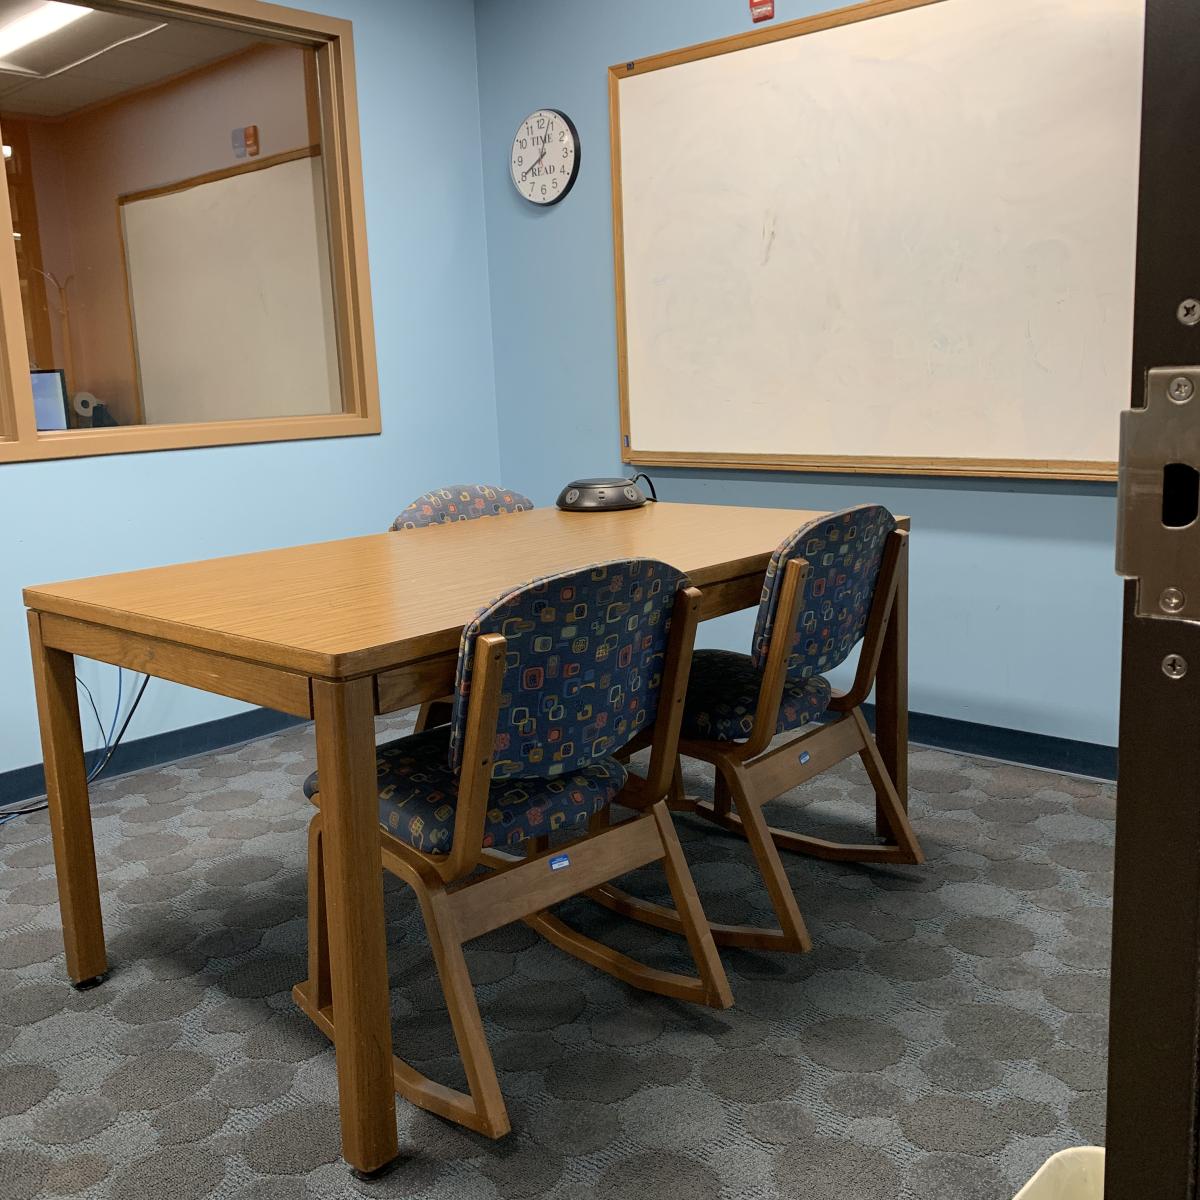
545, 156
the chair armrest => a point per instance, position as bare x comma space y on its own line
895, 553
475, 774
770, 692
685, 617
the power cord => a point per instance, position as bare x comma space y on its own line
649, 484
103, 753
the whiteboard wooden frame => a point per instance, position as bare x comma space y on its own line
994, 468
332, 40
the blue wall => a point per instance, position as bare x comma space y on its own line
1016, 614
1016, 610
425, 229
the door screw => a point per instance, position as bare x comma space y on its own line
1181, 389
1172, 600
1175, 666
1189, 312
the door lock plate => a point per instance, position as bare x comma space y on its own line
1158, 534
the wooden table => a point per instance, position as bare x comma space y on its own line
342, 631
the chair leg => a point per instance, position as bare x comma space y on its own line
709, 986
487, 1111
482, 1110
779, 887
790, 935
677, 800
691, 913
903, 846
891, 810
434, 713
722, 797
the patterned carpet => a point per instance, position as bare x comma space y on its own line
946, 1035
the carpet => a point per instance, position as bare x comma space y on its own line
945, 1036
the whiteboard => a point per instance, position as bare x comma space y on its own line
231, 297
902, 243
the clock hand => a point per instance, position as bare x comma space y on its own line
534, 163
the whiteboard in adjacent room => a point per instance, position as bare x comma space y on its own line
906, 242
231, 297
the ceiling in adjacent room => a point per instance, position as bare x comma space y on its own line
101, 55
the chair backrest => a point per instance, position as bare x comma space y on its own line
583, 667
460, 502
844, 552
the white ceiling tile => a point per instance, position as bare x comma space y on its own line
161, 54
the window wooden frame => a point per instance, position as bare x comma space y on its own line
332, 41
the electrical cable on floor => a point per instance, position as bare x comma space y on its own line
124, 726
116, 713
104, 752
95, 708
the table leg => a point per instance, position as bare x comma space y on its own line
891, 697
345, 720
70, 816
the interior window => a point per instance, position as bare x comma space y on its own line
172, 222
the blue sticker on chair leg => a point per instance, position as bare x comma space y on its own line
560, 862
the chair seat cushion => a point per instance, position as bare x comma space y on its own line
418, 793
722, 698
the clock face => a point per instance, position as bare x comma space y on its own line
545, 156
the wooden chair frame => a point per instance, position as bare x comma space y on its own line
750, 775
459, 904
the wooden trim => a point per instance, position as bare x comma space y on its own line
21, 183
249, 16
331, 40
618, 216
312, 95
283, 691
135, 362
346, 214
243, 168
133, 439
18, 423
984, 468
850, 15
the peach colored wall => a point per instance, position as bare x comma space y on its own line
151, 138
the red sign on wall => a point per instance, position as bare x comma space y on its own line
762, 10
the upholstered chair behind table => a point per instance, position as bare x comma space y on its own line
829, 586
460, 502
554, 679
442, 506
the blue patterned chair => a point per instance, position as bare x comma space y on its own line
460, 502
829, 586
443, 506
554, 679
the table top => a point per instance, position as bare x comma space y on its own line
362, 604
